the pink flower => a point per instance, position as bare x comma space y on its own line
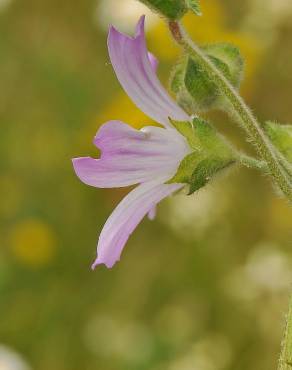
148, 157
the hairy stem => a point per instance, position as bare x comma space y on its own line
239, 108
251, 162
285, 361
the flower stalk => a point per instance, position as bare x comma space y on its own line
251, 162
240, 110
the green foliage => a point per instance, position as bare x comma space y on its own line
210, 154
194, 89
194, 5
281, 136
172, 9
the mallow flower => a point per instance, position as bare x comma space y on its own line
149, 157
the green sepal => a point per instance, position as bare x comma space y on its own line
186, 168
202, 136
281, 137
194, 90
171, 9
194, 5
206, 170
188, 130
210, 154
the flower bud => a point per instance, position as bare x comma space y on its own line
194, 89
281, 137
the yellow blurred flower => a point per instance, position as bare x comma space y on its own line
33, 242
122, 108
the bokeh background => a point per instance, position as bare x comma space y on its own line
203, 287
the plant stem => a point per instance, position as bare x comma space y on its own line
251, 162
240, 110
285, 361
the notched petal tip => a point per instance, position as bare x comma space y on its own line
114, 33
152, 213
75, 163
140, 27
115, 36
78, 166
98, 262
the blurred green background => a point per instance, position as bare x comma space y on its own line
203, 287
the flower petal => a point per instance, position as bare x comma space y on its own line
131, 156
134, 70
153, 61
126, 217
152, 213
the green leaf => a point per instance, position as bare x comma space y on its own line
171, 9
281, 137
210, 154
194, 90
194, 5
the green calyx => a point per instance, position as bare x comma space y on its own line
173, 9
194, 89
281, 137
210, 154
